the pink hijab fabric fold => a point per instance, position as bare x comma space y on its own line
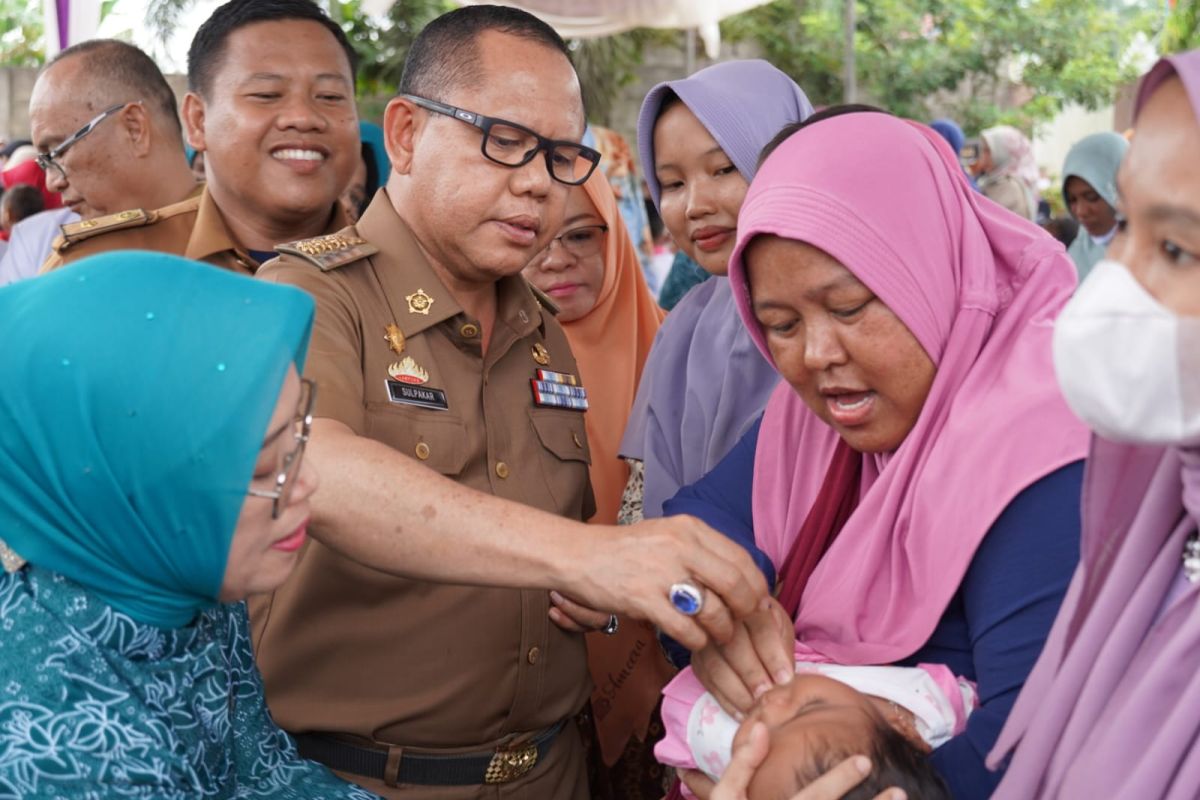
1112, 708
979, 288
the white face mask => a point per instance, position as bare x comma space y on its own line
1128, 366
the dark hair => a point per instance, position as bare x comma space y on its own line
895, 762
22, 201
12, 146
791, 128
1065, 229
669, 98
208, 45
127, 73
444, 55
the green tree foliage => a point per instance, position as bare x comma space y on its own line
21, 29
383, 45
972, 58
1182, 31
609, 64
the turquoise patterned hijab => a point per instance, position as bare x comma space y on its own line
137, 388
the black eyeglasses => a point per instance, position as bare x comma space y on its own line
48, 161
285, 481
514, 145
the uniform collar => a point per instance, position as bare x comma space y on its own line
211, 236
406, 275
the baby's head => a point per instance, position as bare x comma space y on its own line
814, 722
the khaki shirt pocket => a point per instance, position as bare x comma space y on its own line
565, 459
437, 439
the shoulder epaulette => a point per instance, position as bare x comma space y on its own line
330, 252
175, 209
73, 232
544, 300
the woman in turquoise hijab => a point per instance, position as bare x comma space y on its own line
1090, 190
151, 440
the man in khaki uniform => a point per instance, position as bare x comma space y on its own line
107, 130
279, 134
428, 340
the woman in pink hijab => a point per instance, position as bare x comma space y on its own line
915, 477
1113, 707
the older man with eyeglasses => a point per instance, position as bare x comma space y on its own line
107, 130
408, 652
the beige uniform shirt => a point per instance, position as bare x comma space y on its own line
348, 650
192, 228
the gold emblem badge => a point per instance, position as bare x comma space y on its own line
419, 302
394, 338
540, 354
408, 371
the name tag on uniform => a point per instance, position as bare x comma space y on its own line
422, 396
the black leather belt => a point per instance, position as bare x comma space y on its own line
497, 766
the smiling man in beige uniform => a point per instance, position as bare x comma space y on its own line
279, 135
427, 340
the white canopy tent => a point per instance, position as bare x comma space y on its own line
586, 19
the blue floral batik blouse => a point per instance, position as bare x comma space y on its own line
95, 705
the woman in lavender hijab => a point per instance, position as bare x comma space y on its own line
705, 382
1112, 708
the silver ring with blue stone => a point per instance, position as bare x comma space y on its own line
686, 597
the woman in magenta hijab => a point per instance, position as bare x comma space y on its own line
916, 474
1113, 706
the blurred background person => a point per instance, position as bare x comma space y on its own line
952, 132
1006, 171
370, 173
1090, 190
16, 204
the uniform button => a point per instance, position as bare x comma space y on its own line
469, 331
576, 440
422, 451
533, 655
502, 469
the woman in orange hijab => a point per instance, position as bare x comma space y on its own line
592, 273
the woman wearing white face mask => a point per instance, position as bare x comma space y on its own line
1113, 707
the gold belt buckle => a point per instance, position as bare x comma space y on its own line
508, 765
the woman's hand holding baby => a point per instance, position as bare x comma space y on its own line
759, 655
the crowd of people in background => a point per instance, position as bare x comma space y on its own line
784, 453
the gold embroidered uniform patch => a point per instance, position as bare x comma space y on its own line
329, 252
74, 232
